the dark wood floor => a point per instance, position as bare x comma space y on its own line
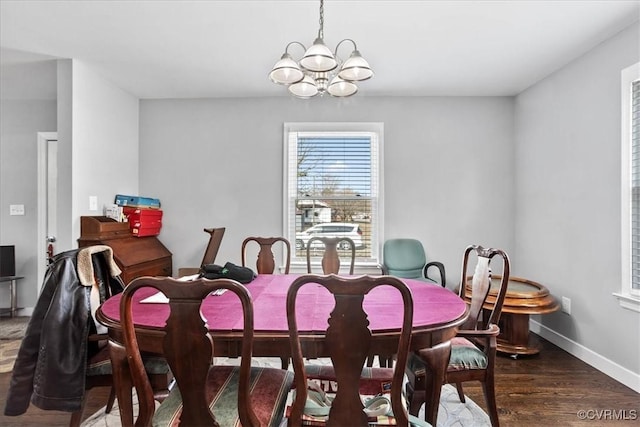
548, 389
551, 388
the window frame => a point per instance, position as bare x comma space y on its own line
628, 297
371, 265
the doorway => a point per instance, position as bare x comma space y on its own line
47, 200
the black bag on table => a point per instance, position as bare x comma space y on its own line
228, 271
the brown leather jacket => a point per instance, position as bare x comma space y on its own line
50, 368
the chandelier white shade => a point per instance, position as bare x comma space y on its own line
318, 57
286, 71
319, 70
305, 88
340, 87
355, 68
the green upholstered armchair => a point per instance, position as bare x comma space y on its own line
406, 258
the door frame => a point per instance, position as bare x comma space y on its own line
43, 140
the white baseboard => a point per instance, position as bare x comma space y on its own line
25, 311
601, 363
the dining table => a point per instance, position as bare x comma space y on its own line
437, 314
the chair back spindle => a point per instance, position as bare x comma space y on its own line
330, 258
266, 264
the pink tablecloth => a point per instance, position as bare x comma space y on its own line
433, 305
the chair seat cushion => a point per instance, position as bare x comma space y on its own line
100, 364
269, 390
372, 380
464, 355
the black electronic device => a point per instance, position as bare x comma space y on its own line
7, 261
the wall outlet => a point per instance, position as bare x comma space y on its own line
16, 209
566, 305
93, 203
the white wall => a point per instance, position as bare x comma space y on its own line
104, 140
97, 125
218, 162
97, 146
64, 201
567, 202
26, 108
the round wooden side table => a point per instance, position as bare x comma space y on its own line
524, 297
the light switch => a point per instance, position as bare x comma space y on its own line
16, 209
93, 203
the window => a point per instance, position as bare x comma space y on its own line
629, 295
333, 186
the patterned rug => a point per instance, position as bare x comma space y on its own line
12, 328
8, 353
451, 413
12, 331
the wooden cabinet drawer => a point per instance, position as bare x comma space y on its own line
158, 267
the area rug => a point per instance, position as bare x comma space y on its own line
12, 331
8, 353
451, 413
13, 328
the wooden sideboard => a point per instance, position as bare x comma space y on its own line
136, 256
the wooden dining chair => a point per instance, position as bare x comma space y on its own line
347, 342
100, 374
210, 253
330, 257
265, 264
473, 350
205, 394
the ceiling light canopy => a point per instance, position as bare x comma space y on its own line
321, 70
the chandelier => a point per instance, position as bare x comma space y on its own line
320, 70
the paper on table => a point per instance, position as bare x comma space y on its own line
158, 298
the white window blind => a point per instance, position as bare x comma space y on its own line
629, 295
333, 186
635, 186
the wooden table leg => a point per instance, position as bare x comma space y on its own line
122, 382
436, 360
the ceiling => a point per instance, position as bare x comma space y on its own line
197, 49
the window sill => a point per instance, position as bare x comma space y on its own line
298, 267
630, 302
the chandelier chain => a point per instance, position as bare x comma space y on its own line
321, 30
